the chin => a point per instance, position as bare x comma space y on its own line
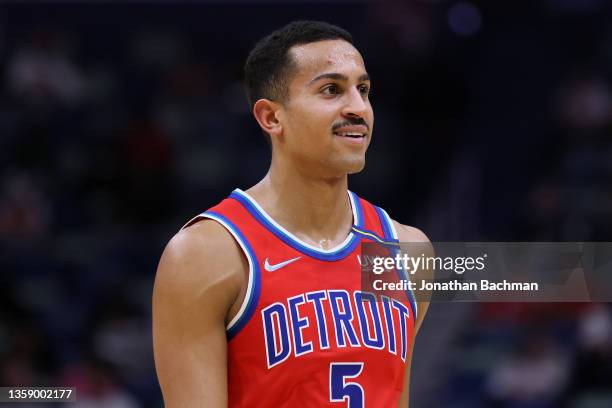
341, 166
355, 166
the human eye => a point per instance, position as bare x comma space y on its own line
330, 89
364, 89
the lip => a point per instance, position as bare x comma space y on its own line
352, 140
352, 129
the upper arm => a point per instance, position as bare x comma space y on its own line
197, 282
411, 234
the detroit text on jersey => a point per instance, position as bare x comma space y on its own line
307, 334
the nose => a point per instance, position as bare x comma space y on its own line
355, 104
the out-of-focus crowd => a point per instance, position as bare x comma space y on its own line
118, 122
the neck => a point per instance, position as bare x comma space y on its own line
317, 211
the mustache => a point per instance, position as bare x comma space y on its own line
349, 122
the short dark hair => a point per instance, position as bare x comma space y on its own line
269, 66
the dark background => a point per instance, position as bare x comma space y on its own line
120, 121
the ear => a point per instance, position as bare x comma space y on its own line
266, 114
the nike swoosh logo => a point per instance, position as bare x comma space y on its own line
275, 267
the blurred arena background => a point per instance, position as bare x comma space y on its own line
120, 121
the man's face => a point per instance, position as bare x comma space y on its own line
327, 120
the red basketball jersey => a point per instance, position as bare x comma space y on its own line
306, 334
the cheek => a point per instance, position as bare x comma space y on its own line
312, 128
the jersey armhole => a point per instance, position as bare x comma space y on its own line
390, 234
251, 297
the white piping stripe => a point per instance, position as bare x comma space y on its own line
337, 248
356, 219
249, 290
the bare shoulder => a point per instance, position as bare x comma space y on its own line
197, 286
203, 240
407, 233
201, 258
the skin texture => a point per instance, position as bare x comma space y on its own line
411, 234
199, 278
202, 275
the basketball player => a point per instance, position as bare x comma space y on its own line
257, 301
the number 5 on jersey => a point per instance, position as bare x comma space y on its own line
342, 390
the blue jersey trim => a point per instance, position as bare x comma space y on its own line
391, 236
387, 231
266, 222
253, 289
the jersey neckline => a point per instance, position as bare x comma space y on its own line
333, 254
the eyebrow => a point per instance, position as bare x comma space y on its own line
338, 77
